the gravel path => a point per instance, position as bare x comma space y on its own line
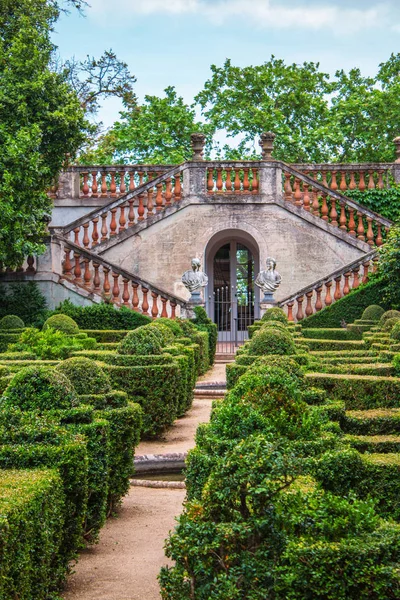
125, 563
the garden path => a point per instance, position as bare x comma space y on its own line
125, 563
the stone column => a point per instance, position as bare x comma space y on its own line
68, 185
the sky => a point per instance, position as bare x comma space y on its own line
174, 42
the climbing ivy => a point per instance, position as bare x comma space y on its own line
385, 202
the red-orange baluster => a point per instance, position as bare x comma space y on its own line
95, 233
113, 187
145, 302
141, 177
210, 181
365, 273
85, 186
77, 268
356, 280
380, 185
125, 293
228, 182
131, 181
254, 182
159, 198
309, 308
352, 223
290, 311
113, 223
164, 312
379, 240
177, 188
219, 180
297, 192
236, 184
360, 227
135, 296
324, 209
122, 218
149, 201
104, 191
324, 181
371, 182
94, 185
334, 185
168, 191
154, 308
67, 268
104, 229
361, 183
343, 184
346, 287
300, 314
318, 302
115, 290
287, 187
131, 213
342, 218
338, 294
333, 213
315, 204
122, 186
328, 296
85, 239
173, 310
87, 276
306, 197
96, 278
106, 282
352, 184
370, 233
141, 208
246, 183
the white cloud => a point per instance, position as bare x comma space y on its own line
262, 13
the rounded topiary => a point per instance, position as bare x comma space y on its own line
167, 336
390, 323
275, 325
86, 375
11, 322
61, 323
39, 388
143, 341
172, 324
271, 341
288, 364
373, 313
395, 333
275, 314
389, 314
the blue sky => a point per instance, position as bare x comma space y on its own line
174, 42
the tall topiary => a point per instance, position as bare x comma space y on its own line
39, 388
143, 341
373, 313
11, 322
275, 314
61, 323
271, 341
167, 337
86, 375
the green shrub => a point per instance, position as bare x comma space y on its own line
388, 325
389, 314
271, 341
24, 300
329, 345
61, 323
103, 316
379, 421
7, 338
374, 444
106, 336
172, 324
50, 344
86, 376
395, 333
203, 323
275, 314
142, 341
373, 312
39, 388
11, 322
332, 334
32, 515
167, 335
111, 399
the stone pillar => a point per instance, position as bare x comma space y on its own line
267, 144
396, 166
265, 305
68, 185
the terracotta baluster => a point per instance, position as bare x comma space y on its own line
297, 192
356, 280
254, 182
168, 192
122, 186
145, 302
113, 187
131, 181
365, 273
104, 191
315, 203
342, 218
76, 236
324, 181
94, 185
352, 223
95, 233
346, 287
343, 184
159, 198
371, 182
309, 308
379, 240
352, 184
380, 184
334, 185
77, 268
290, 311
135, 296
104, 229
115, 291
177, 188
85, 186
246, 183
87, 276
338, 294
141, 208
106, 282
228, 182
236, 185
333, 213
131, 213
219, 180
328, 296
31, 261
113, 223
141, 177
375, 262
67, 267
324, 209
96, 278
85, 239
122, 218
173, 309
154, 308
370, 232
306, 197
288, 188
164, 312
125, 293
318, 302
210, 181
361, 183
360, 227
300, 314
149, 202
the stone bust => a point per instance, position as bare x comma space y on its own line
269, 280
194, 280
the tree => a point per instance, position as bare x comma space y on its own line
389, 266
158, 131
41, 120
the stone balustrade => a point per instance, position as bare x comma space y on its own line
113, 284
333, 207
343, 177
28, 267
233, 177
324, 292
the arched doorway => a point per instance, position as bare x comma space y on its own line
232, 261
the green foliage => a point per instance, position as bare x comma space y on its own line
103, 316
50, 344
388, 325
41, 121
39, 388
331, 334
389, 314
142, 341
271, 341
166, 334
275, 314
203, 323
11, 322
372, 422
86, 376
373, 312
350, 307
32, 517
385, 202
389, 267
395, 332
24, 300
61, 323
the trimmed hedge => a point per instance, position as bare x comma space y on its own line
331, 334
11, 322
379, 421
142, 341
329, 344
107, 336
374, 444
271, 341
61, 323
103, 316
8, 338
86, 376
31, 522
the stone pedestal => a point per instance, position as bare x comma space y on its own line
266, 304
188, 311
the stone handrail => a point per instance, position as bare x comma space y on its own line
350, 176
314, 292
90, 271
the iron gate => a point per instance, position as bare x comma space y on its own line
233, 312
